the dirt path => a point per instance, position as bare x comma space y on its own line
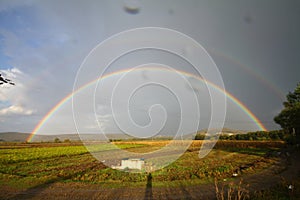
93, 191
58, 190
276, 174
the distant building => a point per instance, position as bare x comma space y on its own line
131, 163
225, 133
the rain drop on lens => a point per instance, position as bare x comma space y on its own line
132, 6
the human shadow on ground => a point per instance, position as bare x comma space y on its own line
148, 192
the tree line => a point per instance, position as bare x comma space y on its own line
288, 119
257, 135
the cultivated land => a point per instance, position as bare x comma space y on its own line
69, 171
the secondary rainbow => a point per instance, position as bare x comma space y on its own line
249, 70
240, 104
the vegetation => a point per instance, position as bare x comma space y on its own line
5, 81
67, 141
275, 135
238, 191
24, 166
289, 117
283, 190
231, 191
57, 140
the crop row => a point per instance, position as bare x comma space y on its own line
74, 163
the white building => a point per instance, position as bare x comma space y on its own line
131, 163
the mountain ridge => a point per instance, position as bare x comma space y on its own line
22, 137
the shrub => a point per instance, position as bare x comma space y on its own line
56, 140
67, 141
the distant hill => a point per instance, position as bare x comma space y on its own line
22, 137
225, 131
14, 136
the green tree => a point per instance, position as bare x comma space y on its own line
199, 136
289, 117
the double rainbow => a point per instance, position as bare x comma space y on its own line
67, 98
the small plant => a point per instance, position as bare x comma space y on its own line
231, 191
67, 141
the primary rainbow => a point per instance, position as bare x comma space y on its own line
240, 104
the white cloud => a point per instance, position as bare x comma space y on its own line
16, 109
105, 122
15, 95
9, 92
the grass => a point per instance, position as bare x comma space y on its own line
32, 165
285, 190
280, 191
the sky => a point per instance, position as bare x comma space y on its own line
45, 48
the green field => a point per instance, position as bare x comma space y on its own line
24, 167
